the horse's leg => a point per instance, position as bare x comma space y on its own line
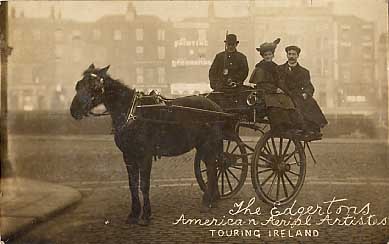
133, 180
209, 196
145, 172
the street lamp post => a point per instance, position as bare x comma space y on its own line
5, 51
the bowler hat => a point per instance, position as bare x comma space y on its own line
295, 48
231, 39
268, 46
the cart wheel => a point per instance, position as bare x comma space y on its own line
232, 167
278, 169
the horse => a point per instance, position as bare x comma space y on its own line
139, 141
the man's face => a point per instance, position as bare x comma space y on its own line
231, 47
292, 56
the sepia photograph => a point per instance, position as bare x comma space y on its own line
194, 121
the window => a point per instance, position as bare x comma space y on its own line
161, 52
356, 99
345, 27
202, 35
117, 35
76, 35
161, 75
96, 34
139, 51
367, 27
58, 35
139, 75
17, 35
36, 35
149, 75
139, 34
346, 75
58, 52
367, 74
77, 54
161, 34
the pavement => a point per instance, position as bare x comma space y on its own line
25, 202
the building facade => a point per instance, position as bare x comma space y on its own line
148, 53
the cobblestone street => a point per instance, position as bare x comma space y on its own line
95, 168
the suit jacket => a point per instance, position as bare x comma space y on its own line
295, 81
235, 63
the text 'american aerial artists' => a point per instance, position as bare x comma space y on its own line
245, 219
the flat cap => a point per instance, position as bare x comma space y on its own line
295, 48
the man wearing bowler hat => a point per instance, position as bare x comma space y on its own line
295, 81
229, 68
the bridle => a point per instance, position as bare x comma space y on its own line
130, 115
101, 80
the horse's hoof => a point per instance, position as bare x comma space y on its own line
132, 220
144, 222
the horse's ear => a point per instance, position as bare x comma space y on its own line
92, 66
104, 70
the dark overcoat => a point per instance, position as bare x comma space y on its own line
279, 106
234, 62
295, 81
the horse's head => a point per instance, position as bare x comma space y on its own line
89, 91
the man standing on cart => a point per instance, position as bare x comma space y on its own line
229, 68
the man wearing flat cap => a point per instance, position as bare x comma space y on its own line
295, 81
229, 68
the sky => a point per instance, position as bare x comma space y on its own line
372, 10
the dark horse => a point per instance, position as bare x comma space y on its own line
139, 140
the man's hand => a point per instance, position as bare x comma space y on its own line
279, 91
305, 95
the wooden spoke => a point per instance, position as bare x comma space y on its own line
223, 183
265, 160
233, 150
271, 186
278, 187
218, 175
293, 173
289, 156
233, 175
274, 146
286, 148
290, 182
283, 184
271, 150
228, 145
263, 166
228, 181
280, 149
250, 148
263, 171
268, 147
292, 163
265, 149
236, 167
264, 182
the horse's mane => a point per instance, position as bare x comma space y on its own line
117, 91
